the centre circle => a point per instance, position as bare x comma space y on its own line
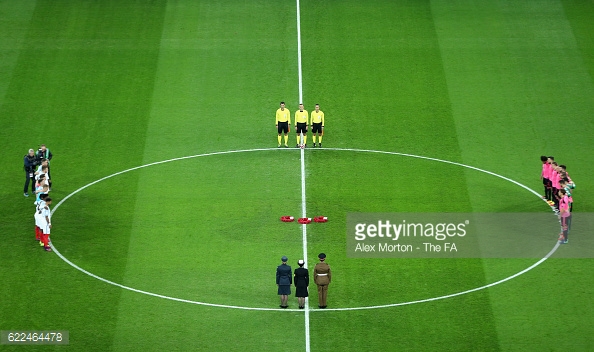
277, 309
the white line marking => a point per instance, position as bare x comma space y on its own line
303, 207
454, 294
298, 310
304, 227
163, 296
441, 161
299, 53
160, 162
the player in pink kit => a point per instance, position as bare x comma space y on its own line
564, 215
558, 188
555, 177
545, 176
564, 183
570, 183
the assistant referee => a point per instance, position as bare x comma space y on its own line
317, 125
301, 124
283, 120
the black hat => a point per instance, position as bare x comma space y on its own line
284, 259
321, 255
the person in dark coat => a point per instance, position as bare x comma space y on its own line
284, 281
301, 280
30, 164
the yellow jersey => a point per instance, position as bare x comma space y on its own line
283, 116
300, 117
317, 117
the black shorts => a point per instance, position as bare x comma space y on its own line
547, 182
301, 127
283, 127
316, 127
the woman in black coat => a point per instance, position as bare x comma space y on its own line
301, 280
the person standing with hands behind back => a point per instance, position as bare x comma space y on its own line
301, 280
283, 121
30, 161
317, 125
301, 122
322, 278
284, 281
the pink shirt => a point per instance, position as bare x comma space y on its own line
564, 206
548, 168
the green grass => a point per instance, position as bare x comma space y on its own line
111, 85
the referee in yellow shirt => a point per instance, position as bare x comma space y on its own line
317, 125
283, 120
301, 124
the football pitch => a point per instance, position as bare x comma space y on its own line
168, 185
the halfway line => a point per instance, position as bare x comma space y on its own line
303, 206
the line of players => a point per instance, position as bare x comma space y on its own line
558, 188
302, 121
32, 161
43, 223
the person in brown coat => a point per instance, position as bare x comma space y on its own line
322, 278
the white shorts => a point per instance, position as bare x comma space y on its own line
37, 219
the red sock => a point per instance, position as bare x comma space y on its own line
37, 236
45, 240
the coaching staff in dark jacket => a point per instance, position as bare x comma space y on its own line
30, 162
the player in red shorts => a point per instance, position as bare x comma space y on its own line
37, 216
46, 224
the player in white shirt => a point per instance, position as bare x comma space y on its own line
40, 168
38, 220
46, 224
